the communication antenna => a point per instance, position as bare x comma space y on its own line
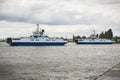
94, 32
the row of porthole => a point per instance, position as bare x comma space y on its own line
46, 39
50, 39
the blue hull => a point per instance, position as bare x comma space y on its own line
37, 43
94, 42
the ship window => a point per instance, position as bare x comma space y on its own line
47, 39
37, 39
53, 39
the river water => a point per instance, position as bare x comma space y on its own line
69, 62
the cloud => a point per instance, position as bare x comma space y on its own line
110, 2
19, 29
57, 12
61, 16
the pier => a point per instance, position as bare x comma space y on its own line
111, 74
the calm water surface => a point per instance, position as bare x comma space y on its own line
69, 62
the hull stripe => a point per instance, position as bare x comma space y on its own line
37, 44
94, 42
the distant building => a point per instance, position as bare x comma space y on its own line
118, 39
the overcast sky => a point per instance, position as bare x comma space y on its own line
59, 17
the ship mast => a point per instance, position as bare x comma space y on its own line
94, 34
38, 27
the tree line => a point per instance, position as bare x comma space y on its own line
103, 35
106, 35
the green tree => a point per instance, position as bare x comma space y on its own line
102, 35
76, 37
73, 37
110, 34
107, 35
83, 37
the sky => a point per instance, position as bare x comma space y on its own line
61, 18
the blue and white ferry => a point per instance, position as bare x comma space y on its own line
94, 39
37, 39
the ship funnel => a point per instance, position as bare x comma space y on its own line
43, 30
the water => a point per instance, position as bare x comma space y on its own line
69, 62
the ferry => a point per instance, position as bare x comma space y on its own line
94, 39
37, 39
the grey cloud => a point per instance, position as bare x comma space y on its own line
54, 12
110, 1
2, 1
